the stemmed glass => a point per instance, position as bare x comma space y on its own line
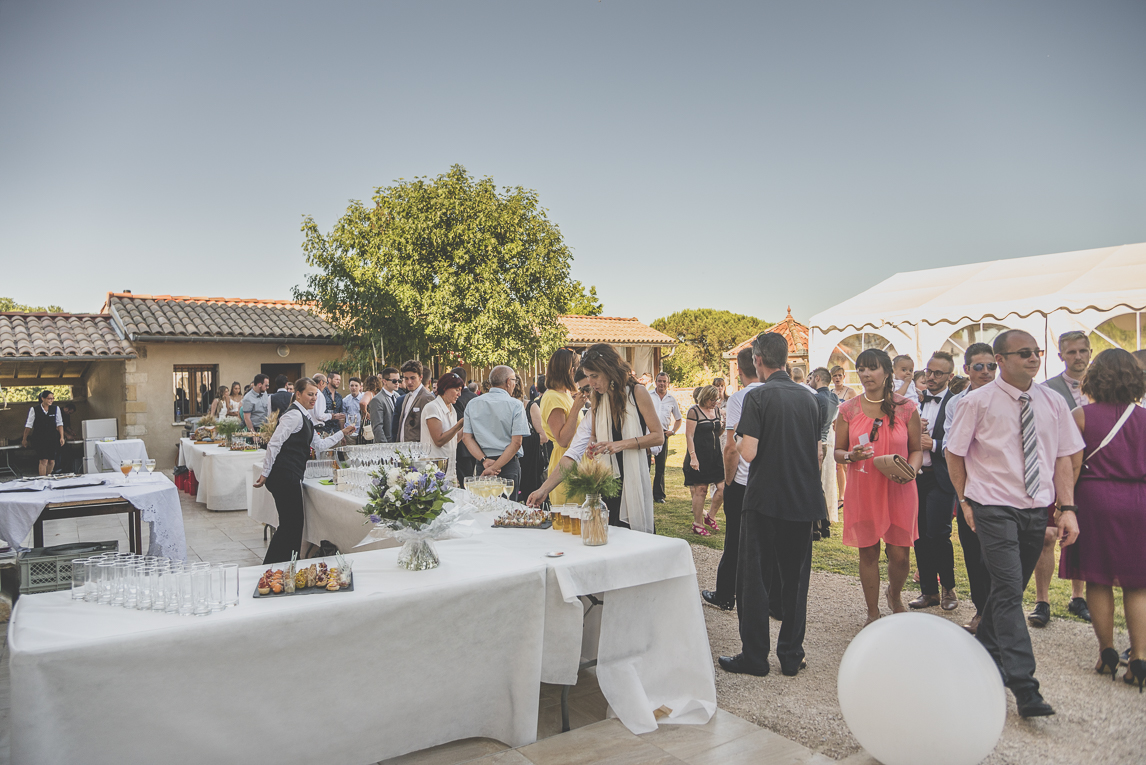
125, 467
136, 466
149, 465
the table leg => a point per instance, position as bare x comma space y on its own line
135, 525
38, 533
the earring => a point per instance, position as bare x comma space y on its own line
612, 385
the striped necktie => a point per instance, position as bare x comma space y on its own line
1030, 445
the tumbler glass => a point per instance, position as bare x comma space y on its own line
91, 590
171, 591
106, 579
200, 590
230, 583
130, 586
158, 579
79, 578
143, 577
216, 589
186, 593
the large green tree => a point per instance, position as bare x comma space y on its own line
444, 266
702, 335
585, 302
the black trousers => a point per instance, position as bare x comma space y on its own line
978, 578
659, 463
789, 543
288, 536
726, 571
934, 553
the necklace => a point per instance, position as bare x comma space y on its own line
872, 401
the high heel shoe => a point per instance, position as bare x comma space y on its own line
1108, 658
1135, 673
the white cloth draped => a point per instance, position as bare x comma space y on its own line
109, 454
222, 474
637, 491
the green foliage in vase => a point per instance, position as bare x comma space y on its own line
447, 266
228, 426
591, 476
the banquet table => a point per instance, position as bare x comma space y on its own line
222, 474
154, 495
109, 454
342, 679
652, 648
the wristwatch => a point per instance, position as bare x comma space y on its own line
1065, 508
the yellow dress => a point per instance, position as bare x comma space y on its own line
550, 402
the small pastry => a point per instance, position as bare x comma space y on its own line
276, 588
300, 580
264, 590
333, 585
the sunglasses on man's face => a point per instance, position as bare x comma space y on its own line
1025, 353
394, 381
981, 366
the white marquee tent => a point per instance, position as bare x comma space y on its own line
1101, 292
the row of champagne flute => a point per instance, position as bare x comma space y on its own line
127, 467
488, 488
150, 583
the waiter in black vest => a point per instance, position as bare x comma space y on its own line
934, 553
45, 425
287, 453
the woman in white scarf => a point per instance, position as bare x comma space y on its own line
621, 409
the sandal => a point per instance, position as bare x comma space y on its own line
701, 530
711, 523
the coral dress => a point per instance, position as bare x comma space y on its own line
875, 507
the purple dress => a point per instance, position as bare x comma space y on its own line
1111, 499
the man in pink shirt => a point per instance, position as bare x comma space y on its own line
1011, 449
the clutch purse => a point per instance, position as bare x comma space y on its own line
895, 467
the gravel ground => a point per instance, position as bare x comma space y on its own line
1097, 721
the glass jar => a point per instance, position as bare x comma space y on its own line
594, 521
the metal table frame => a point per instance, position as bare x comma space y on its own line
7, 466
86, 508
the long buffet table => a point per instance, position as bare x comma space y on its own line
408, 660
222, 474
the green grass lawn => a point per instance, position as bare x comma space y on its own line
674, 519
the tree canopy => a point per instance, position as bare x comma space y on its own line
444, 266
702, 335
585, 303
9, 305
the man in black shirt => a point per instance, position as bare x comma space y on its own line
281, 398
465, 462
780, 439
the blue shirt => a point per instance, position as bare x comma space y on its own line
493, 419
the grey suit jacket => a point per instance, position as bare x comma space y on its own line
414, 414
1059, 386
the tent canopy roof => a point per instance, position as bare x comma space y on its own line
1102, 279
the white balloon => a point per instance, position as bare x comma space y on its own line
917, 688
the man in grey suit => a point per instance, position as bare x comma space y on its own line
416, 398
1074, 350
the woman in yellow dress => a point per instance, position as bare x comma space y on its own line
561, 413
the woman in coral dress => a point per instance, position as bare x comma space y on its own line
876, 423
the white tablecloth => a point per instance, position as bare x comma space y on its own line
406, 661
653, 648
109, 454
154, 495
222, 474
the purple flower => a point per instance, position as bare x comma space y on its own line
377, 481
375, 518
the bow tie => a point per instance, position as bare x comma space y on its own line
928, 399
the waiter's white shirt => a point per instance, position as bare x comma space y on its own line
320, 413
929, 412
290, 423
32, 416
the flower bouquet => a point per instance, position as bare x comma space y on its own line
227, 427
594, 478
412, 504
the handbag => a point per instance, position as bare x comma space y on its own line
895, 467
368, 432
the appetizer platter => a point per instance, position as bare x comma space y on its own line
523, 519
306, 580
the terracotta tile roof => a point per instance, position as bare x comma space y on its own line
171, 315
612, 329
793, 331
56, 335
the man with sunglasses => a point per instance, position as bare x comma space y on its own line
934, 553
1012, 448
980, 369
381, 407
1074, 351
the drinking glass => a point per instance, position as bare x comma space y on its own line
507, 488
91, 590
131, 586
120, 579
216, 589
185, 593
158, 579
566, 519
149, 465
201, 590
230, 583
863, 440
143, 579
125, 468
79, 578
136, 466
171, 591
106, 581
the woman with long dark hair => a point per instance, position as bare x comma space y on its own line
873, 424
620, 413
561, 413
285, 463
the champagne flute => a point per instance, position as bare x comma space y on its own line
149, 465
136, 466
507, 488
125, 467
863, 440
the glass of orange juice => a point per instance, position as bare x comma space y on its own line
125, 467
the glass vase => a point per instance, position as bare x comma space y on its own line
418, 555
594, 521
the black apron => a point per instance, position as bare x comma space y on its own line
45, 437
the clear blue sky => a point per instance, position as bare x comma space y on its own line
730, 155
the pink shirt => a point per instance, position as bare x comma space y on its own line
986, 434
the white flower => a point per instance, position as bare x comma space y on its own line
393, 476
413, 476
395, 492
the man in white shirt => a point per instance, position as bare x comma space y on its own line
735, 483
321, 413
669, 412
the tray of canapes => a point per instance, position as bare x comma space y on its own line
306, 580
523, 519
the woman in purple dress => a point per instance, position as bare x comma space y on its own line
1111, 497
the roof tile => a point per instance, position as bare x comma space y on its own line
40, 335
612, 329
210, 317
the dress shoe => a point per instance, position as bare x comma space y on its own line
1041, 615
792, 671
738, 665
973, 625
660, 501
1031, 704
709, 597
1078, 608
924, 601
949, 601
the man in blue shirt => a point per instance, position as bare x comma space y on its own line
494, 426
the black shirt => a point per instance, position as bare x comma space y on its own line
784, 478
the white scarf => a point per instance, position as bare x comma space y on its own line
637, 491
